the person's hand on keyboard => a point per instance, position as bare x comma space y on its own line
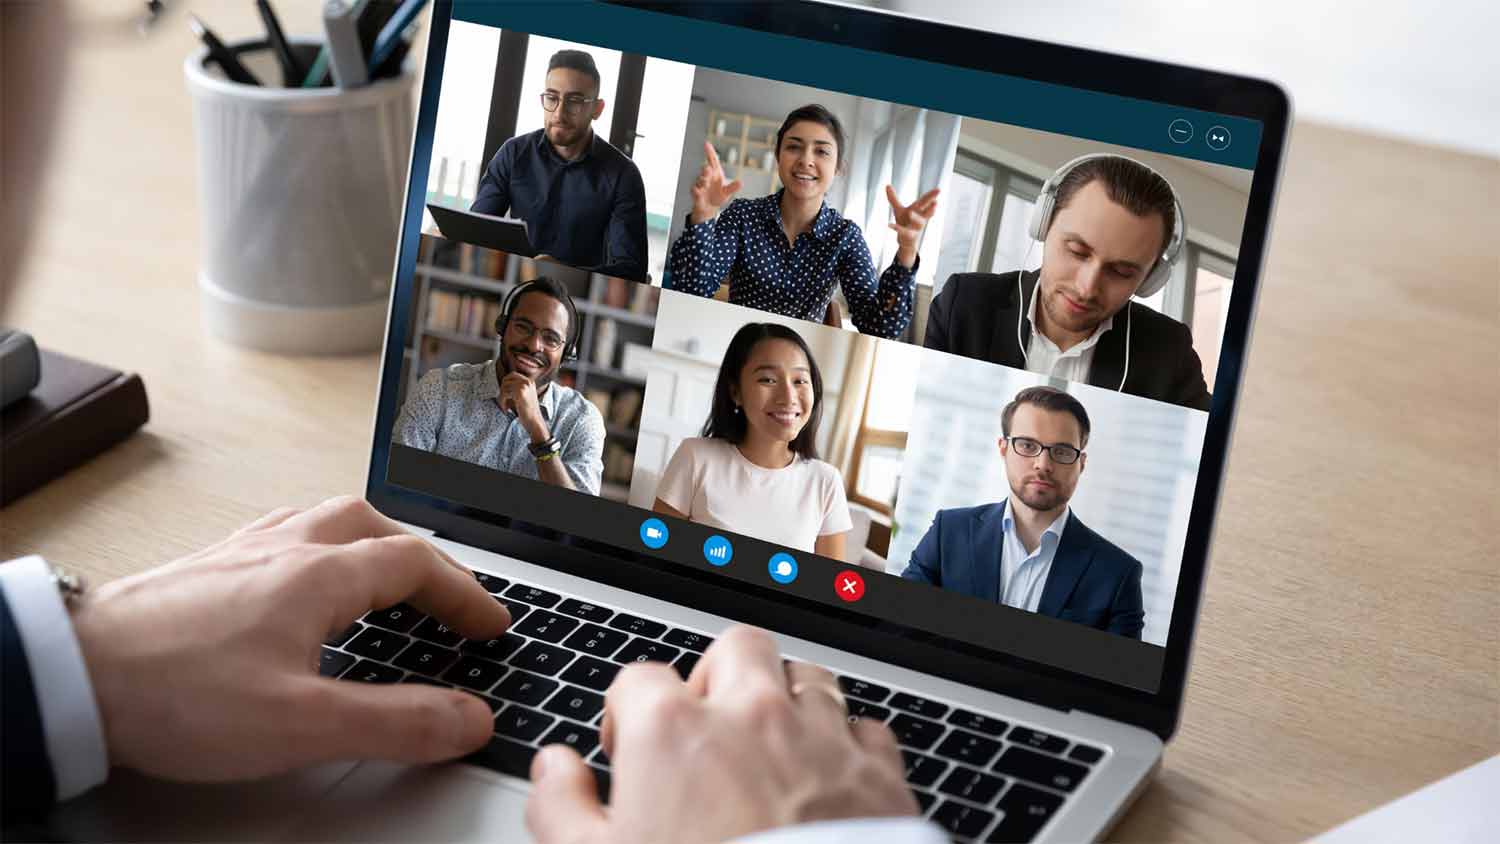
220, 650
744, 745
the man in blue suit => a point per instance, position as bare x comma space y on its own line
1030, 551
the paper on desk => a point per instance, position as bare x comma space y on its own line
1459, 808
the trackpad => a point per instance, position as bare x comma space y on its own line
384, 801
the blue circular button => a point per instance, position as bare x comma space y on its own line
653, 533
717, 550
783, 567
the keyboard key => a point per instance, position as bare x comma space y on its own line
547, 626
638, 626
600, 758
377, 644
916, 733
1037, 740
425, 681
399, 618
978, 723
861, 709
1085, 754
426, 659
972, 785
1047, 770
504, 756
1026, 810
533, 595
498, 650
471, 672
924, 801
601, 783
581, 739
436, 632
366, 671
491, 583
518, 609
961, 820
596, 641
685, 663
687, 639
645, 650
922, 770
864, 689
542, 658
962, 746
918, 705
591, 673
344, 635
524, 688
518, 722
576, 703
332, 663
585, 610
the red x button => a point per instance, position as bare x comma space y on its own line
849, 586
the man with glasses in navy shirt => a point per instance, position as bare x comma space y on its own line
1029, 551
583, 201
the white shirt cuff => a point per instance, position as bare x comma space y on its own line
908, 830
64, 695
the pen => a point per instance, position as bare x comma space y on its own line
220, 54
319, 70
291, 72
390, 35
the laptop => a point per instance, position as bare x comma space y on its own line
1022, 716
485, 230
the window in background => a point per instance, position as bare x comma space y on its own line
992, 207
1213, 279
463, 111
880, 445
968, 197
660, 130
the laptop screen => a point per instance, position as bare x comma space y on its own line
916, 343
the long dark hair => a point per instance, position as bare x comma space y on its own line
725, 424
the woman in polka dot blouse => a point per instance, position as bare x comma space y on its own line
783, 253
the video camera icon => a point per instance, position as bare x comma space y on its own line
783, 567
654, 533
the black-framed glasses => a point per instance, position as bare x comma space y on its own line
572, 103
1059, 452
551, 340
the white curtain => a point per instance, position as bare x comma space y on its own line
914, 153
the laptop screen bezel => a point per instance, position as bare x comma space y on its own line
946, 44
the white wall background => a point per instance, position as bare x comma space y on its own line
1427, 72
1136, 487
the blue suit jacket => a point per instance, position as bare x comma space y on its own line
1092, 581
27, 785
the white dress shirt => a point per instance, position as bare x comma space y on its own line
75, 734
1023, 574
1045, 358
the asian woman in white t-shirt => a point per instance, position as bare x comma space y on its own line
755, 470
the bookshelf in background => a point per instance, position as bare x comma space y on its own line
746, 146
459, 292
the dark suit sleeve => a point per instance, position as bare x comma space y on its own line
938, 315
27, 783
1188, 389
625, 238
1127, 612
926, 564
493, 196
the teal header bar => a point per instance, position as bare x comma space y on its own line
1106, 118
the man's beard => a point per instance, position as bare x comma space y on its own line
566, 136
1041, 500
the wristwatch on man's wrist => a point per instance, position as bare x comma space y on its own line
70, 586
546, 449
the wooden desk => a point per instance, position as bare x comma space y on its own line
1349, 650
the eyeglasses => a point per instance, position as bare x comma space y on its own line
551, 340
572, 104
1059, 452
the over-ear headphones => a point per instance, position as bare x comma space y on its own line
550, 288
1161, 271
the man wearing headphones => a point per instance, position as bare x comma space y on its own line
507, 413
1111, 228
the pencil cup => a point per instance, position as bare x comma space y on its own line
300, 193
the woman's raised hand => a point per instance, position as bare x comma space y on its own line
710, 191
910, 221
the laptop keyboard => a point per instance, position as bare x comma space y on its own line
980, 777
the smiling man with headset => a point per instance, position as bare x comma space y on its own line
1111, 229
509, 413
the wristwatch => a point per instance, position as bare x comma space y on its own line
546, 449
70, 586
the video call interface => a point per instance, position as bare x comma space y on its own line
948, 372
